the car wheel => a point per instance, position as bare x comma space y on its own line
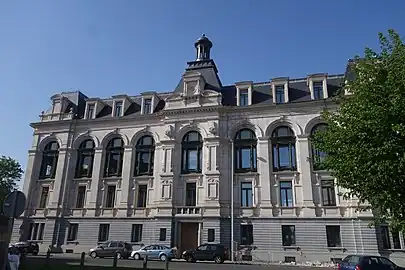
93, 254
218, 259
137, 256
163, 257
119, 256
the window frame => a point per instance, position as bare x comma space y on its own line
279, 91
91, 108
111, 151
290, 233
289, 141
147, 104
244, 97
136, 232
140, 149
142, 201
43, 202
247, 204
72, 232
317, 156
385, 237
81, 201
241, 144
318, 91
336, 237
190, 198
103, 228
210, 235
187, 146
248, 230
110, 199
162, 234
118, 108
285, 191
36, 231
331, 192
51, 153
82, 153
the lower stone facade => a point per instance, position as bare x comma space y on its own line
310, 236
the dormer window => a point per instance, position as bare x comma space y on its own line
318, 90
243, 97
318, 86
280, 94
118, 109
244, 93
147, 106
90, 111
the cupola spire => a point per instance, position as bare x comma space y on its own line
203, 47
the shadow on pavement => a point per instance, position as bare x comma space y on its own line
58, 263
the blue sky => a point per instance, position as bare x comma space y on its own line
112, 47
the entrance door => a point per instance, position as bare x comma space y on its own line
188, 236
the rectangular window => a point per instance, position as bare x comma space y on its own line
385, 237
318, 90
286, 194
333, 236
103, 232
43, 202
288, 233
142, 196
36, 231
72, 232
147, 106
191, 194
243, 97
136, 234
110, 200
162, 234
246, 234
118, 109
279, 94
211, 235
328, 193
396, 239
90, 111
81, 197
246, 194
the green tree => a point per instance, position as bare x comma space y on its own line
365, 138
10, 174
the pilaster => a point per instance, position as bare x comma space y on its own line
263, 168
305, 170
31, 176
59, 176
96, 177
126, 176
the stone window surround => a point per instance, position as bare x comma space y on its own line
138, 181
280, 81
318, 78
98, 106
285, 177
126, 102
154, 100
318, 183
243, 86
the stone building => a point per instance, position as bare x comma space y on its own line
160, 167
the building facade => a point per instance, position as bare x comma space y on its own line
161, 168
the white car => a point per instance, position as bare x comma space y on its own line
154, 252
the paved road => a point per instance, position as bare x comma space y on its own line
74, 259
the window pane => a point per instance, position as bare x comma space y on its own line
245, 134
193, 137
245, 158
284, 156
147, 140
192, 159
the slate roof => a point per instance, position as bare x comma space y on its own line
261, 91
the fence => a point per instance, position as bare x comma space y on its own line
49, 263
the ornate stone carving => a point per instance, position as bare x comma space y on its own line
213, 129
146, 129
116, 130
170, 132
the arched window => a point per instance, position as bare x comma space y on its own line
191, 153
283, 146
317, 156
85, 156
49, 160
145, 149
245, 151
114, 157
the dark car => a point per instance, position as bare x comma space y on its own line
110, 248
27, 247
366, 262
207, 252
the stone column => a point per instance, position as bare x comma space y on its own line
59, 176
263, 197
31, 176
126, 176
97, 175
304, 167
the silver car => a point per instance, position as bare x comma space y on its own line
154, 252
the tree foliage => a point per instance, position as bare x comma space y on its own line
365, 138
10, 174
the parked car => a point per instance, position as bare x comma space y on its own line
366, 262
110, 248
207, 252
154, 252
27, 247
